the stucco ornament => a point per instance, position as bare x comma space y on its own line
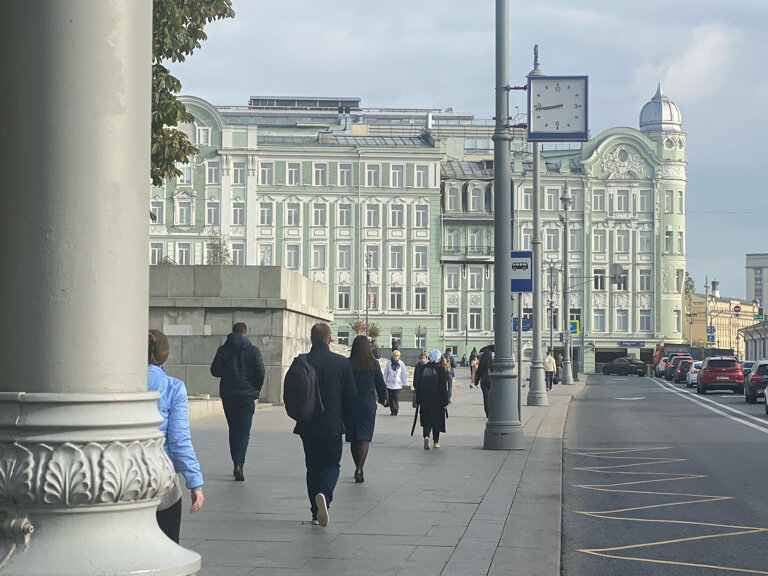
600, 300
622, 163
668, 172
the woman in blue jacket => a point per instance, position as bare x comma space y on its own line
178, 443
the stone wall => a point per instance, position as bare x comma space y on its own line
195, 306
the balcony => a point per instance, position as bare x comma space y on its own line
467, 254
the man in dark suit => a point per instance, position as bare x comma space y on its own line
239, 365
321, 434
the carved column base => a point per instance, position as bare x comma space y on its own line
80, 479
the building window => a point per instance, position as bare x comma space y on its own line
622, 320
213, 173
397, 216
396, 258
422, 173
622, 241
372, 257
599, 279
238, 173
475, 278
318, 256
452, 199
294, 173
452, 319
396, 298
266, 174
680, 202
476, 241
265, 213
344, 259
527, 238
373, 299
645, 321
577, 199
238, 253
157, 208
155, 252
598, 320
552, 280
212, 213
476, 200
420, 299
345, 175
420, 257
679, 280
452, 240
345, 215
238, 213
203, 136
292, 256
320, 175
372, 215
527, 199
292, 214
372, 175
552, 197
422, 216
452, 278
576, 240
552, 239
475, 319
622, 282
622, 200
645, 280
598, 200
668, 202
343, 338
678, 321
184, 213
397, 178
318, 214
645, 201
644, 240
598, 241
343, 298
680, 243
265, 255
186, 174
668, 242
184, 253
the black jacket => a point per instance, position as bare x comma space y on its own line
239, 365
337, 389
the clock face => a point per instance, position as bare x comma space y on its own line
557, 108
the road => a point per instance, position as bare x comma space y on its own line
658, 480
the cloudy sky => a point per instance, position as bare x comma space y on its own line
710, 57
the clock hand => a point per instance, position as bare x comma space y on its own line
549, 107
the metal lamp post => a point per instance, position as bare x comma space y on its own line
567, 375
551, 268
367, 289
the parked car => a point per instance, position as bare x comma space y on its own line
720, 373
682, 370
746, 368
659, 368
693, 374
670, 362
673, 367
625, 366
754, 384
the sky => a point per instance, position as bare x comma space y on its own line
709, 56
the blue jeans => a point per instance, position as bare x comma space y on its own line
239, 413
322, 456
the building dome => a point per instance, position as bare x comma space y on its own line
660, 114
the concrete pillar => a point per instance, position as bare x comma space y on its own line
81, 460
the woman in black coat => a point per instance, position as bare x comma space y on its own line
483, 376
370, 383
432, 398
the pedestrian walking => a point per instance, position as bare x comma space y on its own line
450, 369
549, 369
474, 360
395, 378
370, 384
418, 368
431, 399
177, 444
239, 365
395, 345
321, 435
558, 367
483, 376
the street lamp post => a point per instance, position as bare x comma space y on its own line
567, 375
551, 268
367, 289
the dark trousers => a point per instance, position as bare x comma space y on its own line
393, 397
322, 456
169, 521
548, 379
449, 380
239, 413
485, 386
426, 426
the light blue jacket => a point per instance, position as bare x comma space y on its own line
175, 427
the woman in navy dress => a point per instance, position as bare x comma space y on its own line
370, 384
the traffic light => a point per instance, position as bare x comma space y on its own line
759, 315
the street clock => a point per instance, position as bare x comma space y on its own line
557, 108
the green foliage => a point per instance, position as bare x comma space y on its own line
177, 31
373, 331
689, 285
217, 248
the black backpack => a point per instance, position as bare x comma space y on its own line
301, 391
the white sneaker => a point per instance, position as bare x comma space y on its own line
437, 444
426, 442
322, 509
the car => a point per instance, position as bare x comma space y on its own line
659, 368
624, 366
720, 373
754, 384
746, 368
693, 374
682, 371
673, 366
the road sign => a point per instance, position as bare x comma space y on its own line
522, 271
574, 327
516, 324
710, 337
710, 330
737, 308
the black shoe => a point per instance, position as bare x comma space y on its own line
238, 472
359, 476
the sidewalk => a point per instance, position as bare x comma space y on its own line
457, 510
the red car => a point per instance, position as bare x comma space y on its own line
720, 373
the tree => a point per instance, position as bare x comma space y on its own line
373, 331
689, 285
177, 30
358, 327
217, 248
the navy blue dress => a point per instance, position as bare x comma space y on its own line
369, 385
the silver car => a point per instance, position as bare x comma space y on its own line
693, 375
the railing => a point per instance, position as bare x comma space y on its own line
468, 251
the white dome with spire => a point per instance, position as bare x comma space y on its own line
660, 114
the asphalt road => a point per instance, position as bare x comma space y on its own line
658, 480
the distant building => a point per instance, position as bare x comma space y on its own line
728, 317
757, 272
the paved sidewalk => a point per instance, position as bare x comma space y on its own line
457, 510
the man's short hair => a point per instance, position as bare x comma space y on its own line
321, 333
240, 328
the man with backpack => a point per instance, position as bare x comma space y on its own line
239, 365
321, 433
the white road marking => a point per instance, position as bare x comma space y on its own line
635, 398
